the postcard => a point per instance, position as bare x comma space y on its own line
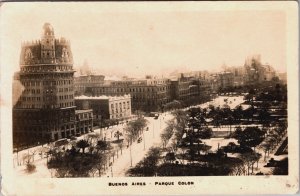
159, 98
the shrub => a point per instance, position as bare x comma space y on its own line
30, 168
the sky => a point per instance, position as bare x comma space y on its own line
118, 39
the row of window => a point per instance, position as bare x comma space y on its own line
70, 89
33, 91
48, 106
120, 105
118, 116
43, 68
31, 98
66, 104
62, 97
50, 83
84, 116
139, 89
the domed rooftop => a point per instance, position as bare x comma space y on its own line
48, 29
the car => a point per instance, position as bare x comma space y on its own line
61, 142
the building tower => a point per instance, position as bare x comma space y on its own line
45, 111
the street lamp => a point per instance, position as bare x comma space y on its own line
153, 129
160, 123
144, 137
130, 154
111, 172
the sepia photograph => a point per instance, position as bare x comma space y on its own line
122, 97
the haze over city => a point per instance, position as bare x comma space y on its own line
156, 42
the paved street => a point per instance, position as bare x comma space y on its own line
138, 152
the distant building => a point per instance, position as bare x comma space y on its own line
45, 108
83, 82
226, 80
188, 90
256, 72
106, 107
238, 75
146, 94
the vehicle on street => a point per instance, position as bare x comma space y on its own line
77, 134
61, 142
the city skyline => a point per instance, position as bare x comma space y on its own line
156, 41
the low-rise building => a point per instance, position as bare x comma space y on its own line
84, 121
106, 107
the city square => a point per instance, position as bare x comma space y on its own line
199, 123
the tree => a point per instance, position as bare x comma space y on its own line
230, 121
238, 113
82, 144
117, 135
173, 105
282, 168
30, 168
251, 136
93, 137
167, 134
237, 133
130, 136
73, 164
120, 145
249, 159
100, 162
148, 166
203, 148
205, 133
264, 117
265, 146
170, 157
33, 152
103, 146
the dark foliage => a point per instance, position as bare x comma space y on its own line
251, 136
282, 167
73, 164
148, 166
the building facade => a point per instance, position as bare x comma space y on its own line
84, 121
45, 110
226, 80
147, 94
256, 72
83, 82
106, 107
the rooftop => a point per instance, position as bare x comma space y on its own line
103, 97
83, 111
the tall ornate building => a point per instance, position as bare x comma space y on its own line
45, 110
